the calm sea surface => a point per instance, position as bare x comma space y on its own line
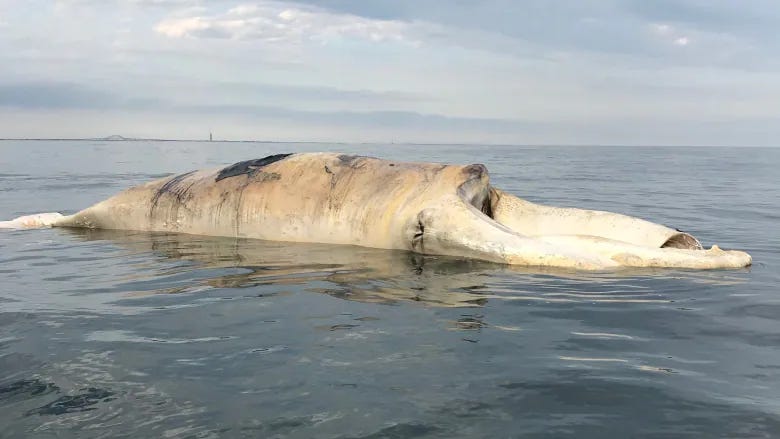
126, 334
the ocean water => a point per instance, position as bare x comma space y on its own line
127, 334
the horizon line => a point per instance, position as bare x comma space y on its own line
143, 139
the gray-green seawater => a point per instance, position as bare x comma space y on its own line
127, 334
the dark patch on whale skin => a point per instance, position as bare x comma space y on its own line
478, 171
475, 170
171, 187
472, 190
682, 240
417, 240
176, 188
249, 167
351, 161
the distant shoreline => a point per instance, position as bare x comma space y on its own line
132, 139
583, 145
127, 139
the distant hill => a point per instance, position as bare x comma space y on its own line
115, 137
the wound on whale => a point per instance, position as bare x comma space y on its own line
249, 167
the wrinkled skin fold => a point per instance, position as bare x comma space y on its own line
420, 207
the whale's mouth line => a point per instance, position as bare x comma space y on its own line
486, 198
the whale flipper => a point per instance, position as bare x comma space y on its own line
35, 221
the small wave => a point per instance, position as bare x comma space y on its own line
604, 335
127, 336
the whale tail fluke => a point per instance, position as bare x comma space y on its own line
35, 221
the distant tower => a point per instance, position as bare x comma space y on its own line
211, 138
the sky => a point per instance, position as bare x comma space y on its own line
607, 72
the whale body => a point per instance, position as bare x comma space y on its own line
421, 207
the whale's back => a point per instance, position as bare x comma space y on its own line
310, 197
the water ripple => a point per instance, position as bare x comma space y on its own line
127, 334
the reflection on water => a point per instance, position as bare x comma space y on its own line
375, 275
347, 272
129, 334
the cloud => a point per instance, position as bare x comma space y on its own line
682, 41
385, 119
69, 96
711, 15
52, 95
306, 93
662, 29
670, 34
62, 95
275, 22
164, 2
594, 70
161, 3
511, 26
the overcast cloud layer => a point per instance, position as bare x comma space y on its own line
627, 72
